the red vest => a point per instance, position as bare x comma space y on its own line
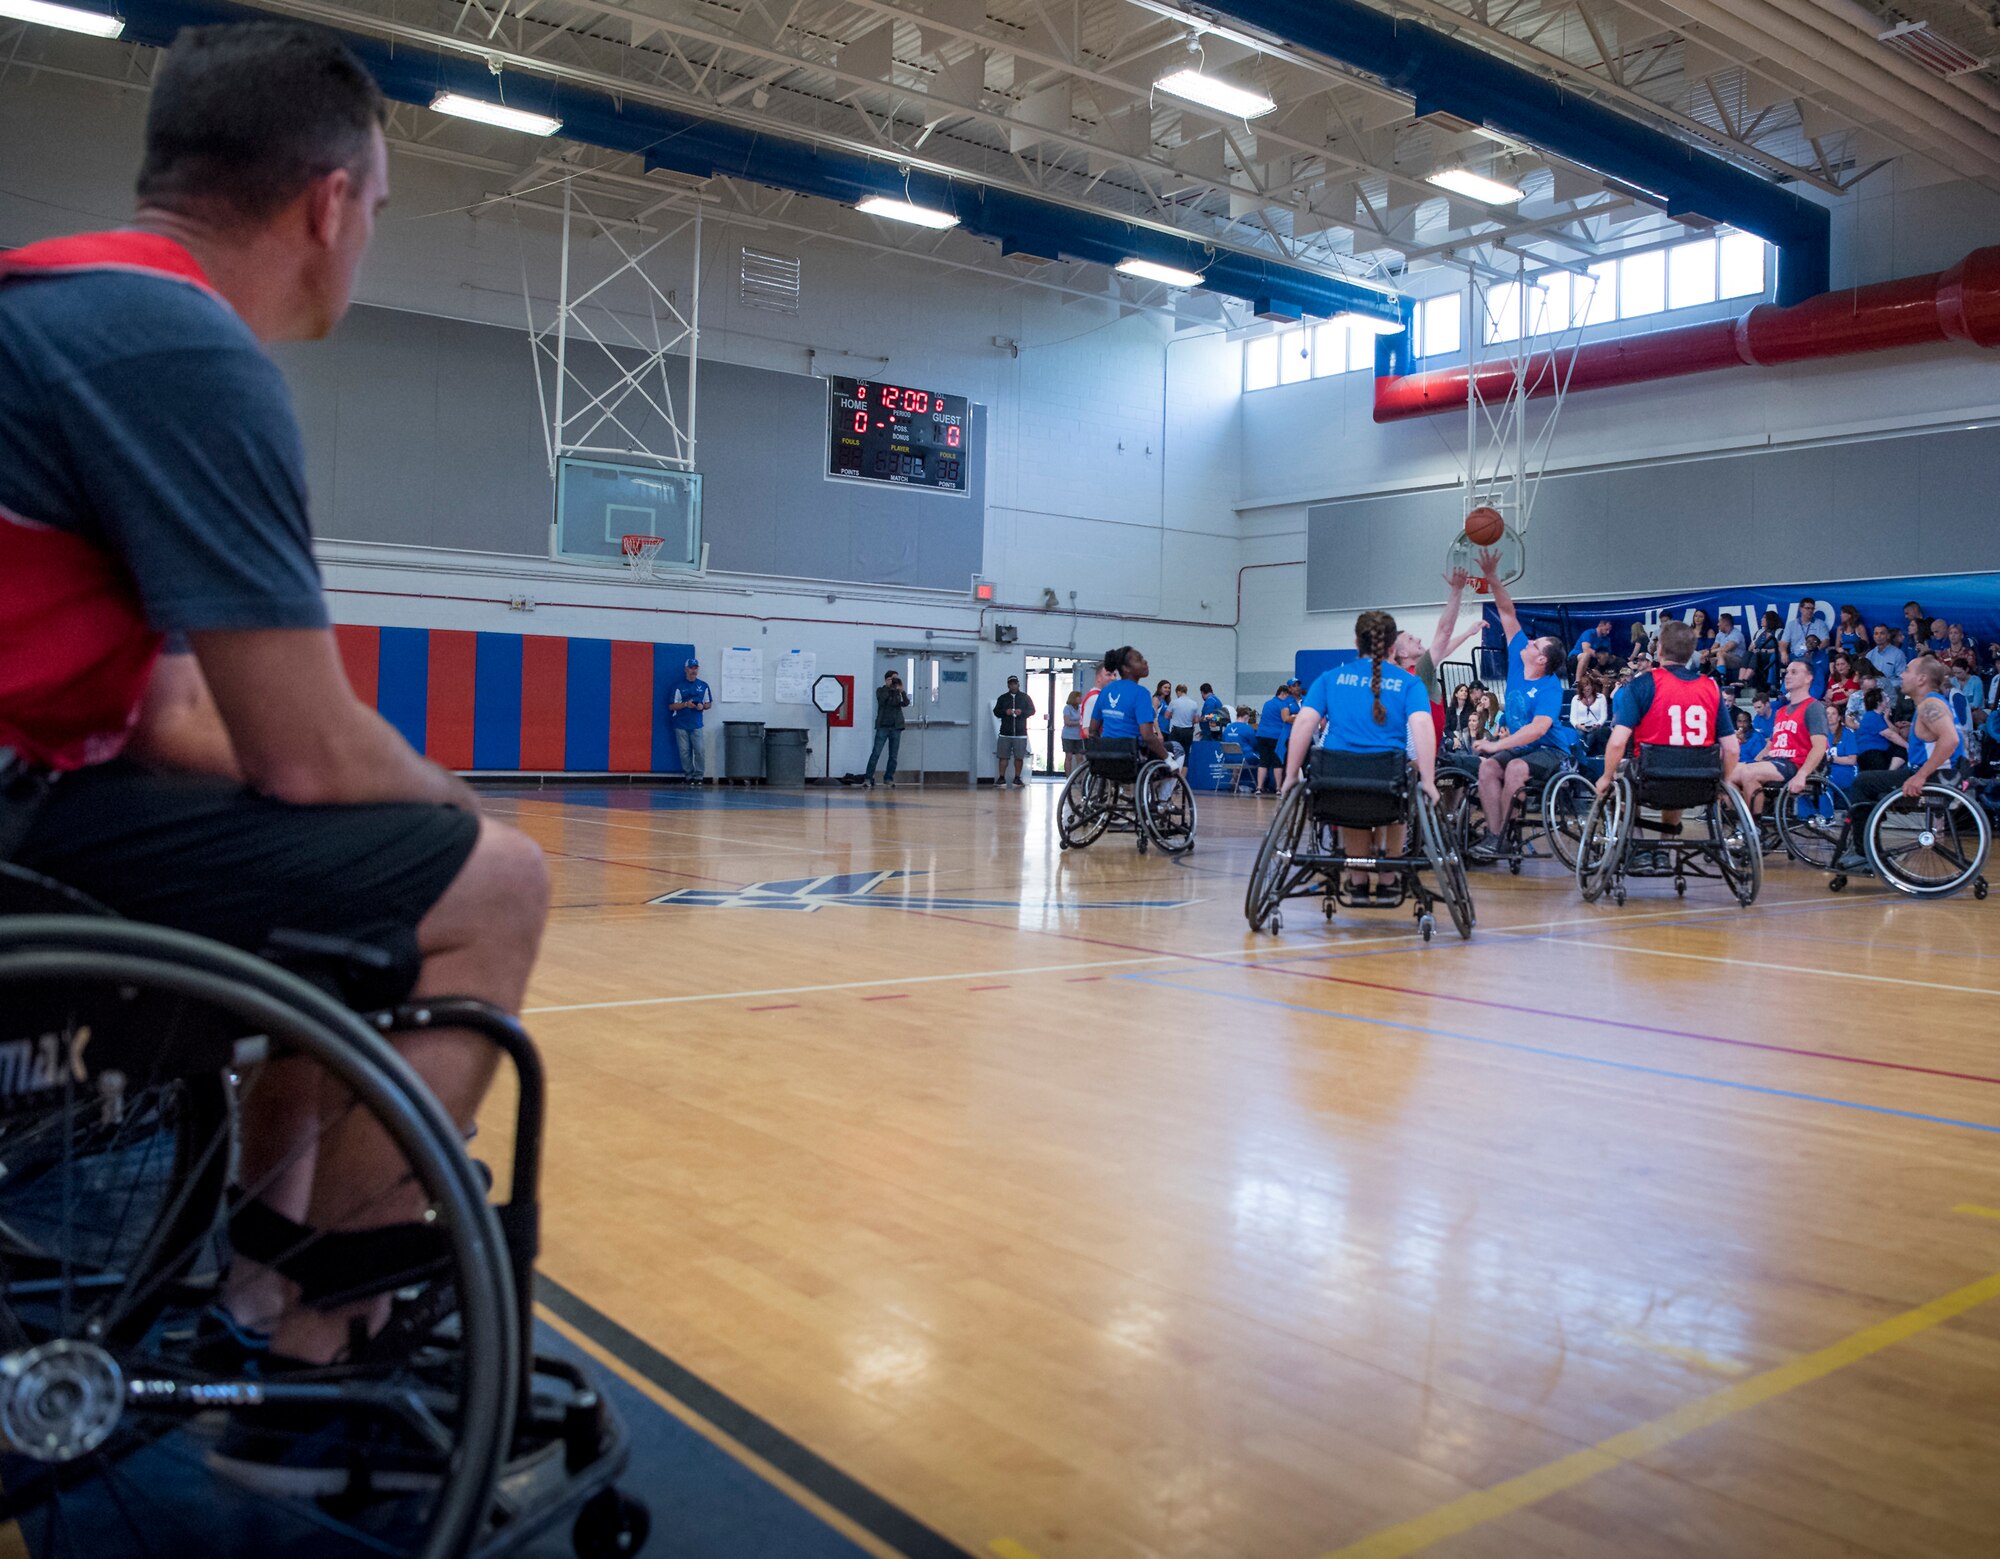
76, 651
1789, 738
1684, 713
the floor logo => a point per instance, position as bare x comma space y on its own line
858, 889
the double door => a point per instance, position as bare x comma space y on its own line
938, 728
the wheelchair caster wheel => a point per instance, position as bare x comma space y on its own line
1514, 868
1680, 887
1328, 905
610, 1526
1427, 926
1276, 923
1142, 844
1979, 889
1834, 885
1618, 897
1062, 844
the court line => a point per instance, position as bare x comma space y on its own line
752, 1439
1007, 1548
1976, 1210
1753, 963
1504, 1499
1570, 1055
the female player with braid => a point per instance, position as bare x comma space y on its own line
1369, 707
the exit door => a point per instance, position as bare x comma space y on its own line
937, 730
1049, 683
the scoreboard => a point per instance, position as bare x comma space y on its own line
890, 433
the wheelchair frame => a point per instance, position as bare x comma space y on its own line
1300, 857
1101, 797
1606, 852
1942, 802
1529, 821
545, 1411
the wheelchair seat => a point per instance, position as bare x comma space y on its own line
1358, 789
1113, 758
1674, 779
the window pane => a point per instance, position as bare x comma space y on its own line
1361, 351
1329, 350
1294, 357
1742, 264
1691, 274
1503, 314
1642, 285
1442, 322
1597, 299
1260, 363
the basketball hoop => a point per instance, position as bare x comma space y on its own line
1513, 557
642, 555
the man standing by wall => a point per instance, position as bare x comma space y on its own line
890, 702
685, 703
1012, 709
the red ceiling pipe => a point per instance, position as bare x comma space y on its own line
1961, 304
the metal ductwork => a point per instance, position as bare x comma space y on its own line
1959, 304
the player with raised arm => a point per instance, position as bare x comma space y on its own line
1532, 747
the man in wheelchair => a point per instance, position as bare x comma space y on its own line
1533, 751
178, 741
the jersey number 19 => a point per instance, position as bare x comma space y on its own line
1694, 733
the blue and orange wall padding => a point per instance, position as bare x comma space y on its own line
499, 701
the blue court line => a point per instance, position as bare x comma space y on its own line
1563, 1055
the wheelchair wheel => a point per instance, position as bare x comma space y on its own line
1600, 853
1739, 850
1447, 866
1274, 861
1929, 847
1810, 840
1166, 810
132, 1418
1081, 813
1565, 808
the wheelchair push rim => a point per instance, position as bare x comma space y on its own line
1931, 847
1566, 803
1265, 891
1166, 806
1081, 813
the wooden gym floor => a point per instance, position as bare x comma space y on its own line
1034, 1194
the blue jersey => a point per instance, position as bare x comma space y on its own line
1240, 733
1343, 698
1869, 737
1271, 720
1920, 750
1121, 709
687, 691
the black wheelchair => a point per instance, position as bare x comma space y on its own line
1121, 788
1301, 856
1545, 810
1621, 840
137, 1415
1928, 848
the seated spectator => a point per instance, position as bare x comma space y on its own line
1748, 742
1958, 650
1939, 638
1888, 657
1596, 650
1841, 680
1968, 682
1457, 710
1761, 718
1242, 730
1915, 622
1808, 617
1641, 643
1764, 654
1843, 748
1732, 650
1589, 713
1851, 633
1816, 657
1872, 747
1704, 640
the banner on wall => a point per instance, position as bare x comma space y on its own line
1971, 600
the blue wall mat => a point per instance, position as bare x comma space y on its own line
496, 702
589, 707
402, 695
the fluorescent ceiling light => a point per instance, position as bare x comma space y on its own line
904, 211
1213, 92
1152, 270
1475, 186
459, 106
1374, 324
68, 17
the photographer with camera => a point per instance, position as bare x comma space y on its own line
890, 702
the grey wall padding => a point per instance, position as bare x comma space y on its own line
1864, 508
427, 431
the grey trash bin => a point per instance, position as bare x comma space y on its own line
785, 755
743, 749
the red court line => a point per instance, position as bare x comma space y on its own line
1082, 979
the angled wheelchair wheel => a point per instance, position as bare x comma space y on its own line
1565, 809
1447, 866
1806, 836
136, 1414
1082, 810
1273, 865
1929, 847
1600, 855
1166, 810
1739, 849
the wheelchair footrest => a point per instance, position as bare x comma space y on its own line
338, 1267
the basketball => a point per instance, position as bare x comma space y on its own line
1483, 526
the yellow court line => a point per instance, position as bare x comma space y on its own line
1977, 1211
860, 1536
1752, 963
1503, 1499
1007, 1548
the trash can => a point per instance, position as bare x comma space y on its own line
785, 755
743, 749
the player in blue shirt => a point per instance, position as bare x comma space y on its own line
1124, 710
1274, 723
1370, 705
1534, 746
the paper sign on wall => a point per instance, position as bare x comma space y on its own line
742, 677
797, 670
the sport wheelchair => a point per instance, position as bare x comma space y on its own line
1661, 778
1548, 808
136, 1414
1301, 855
1120, 788
1928, 848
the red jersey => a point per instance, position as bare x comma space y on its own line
1790, 740
76, 651
1685, 712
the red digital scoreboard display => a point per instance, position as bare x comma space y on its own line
892, 433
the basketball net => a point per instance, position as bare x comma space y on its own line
1508, 434
642, 555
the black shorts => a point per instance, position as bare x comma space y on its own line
1544, 763
211, 857
1267, 753
1785, 767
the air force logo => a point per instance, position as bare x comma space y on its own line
857, 889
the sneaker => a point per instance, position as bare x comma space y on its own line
1853, 861
1020, 784
1484, 850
